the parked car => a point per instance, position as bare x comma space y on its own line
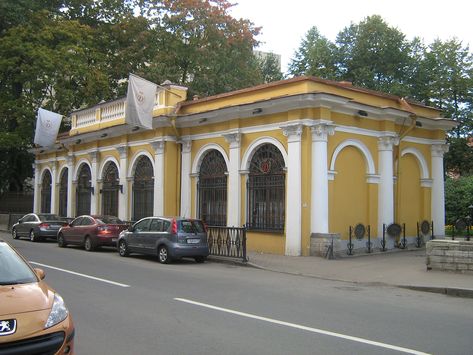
38, 226
33, 317
91, 232
168, 238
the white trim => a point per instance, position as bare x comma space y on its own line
201, 154
370, 167
131, 167
77, 167
59, 172
41, 174
102, 166
250, 151
420, 160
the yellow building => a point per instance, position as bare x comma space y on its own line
293, 161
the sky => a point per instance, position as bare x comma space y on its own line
285, 23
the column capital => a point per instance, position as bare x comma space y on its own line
93, 156
438, 150
70, 159
386, 143
293, 132
122, 150
233, 138
186, 144
321, 130
158, 146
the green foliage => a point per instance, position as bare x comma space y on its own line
270, 68
458, 196
459, 159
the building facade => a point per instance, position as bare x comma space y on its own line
289, 160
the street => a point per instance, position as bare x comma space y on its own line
135, 305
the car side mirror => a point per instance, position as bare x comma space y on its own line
20, 221
40, 273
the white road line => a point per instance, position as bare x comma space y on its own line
302, 327
79, 274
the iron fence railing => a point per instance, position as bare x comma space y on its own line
227, 242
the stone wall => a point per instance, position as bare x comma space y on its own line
450, 255
320, 243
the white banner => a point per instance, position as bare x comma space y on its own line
47, 127
140, 102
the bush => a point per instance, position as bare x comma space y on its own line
458, 196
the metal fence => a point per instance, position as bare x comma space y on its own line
227, 242
16, 202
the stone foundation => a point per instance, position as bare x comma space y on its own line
450, 255
320, 242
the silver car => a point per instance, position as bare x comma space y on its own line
167, 237
38, 226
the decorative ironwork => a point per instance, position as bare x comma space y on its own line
143, 189
383, 241
109, 190
394, 230
350, 245
227, 242
84, 190
460, 225
212, 189
425, 227
266, 189
369, 244
360, 231
63, 193
46, 192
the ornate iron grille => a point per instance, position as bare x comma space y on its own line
212, 189
266, 188
63, 193
227, 241
109, 190
46, 193
84, 191
143, 189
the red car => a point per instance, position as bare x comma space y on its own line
91, 232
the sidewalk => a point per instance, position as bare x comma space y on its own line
405, 269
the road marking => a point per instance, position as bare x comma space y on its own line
302, 327
79, 274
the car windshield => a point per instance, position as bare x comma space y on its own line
49, 217
109, 220
13, 269
191, 226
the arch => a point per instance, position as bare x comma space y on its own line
43, 171
104, 164
110, 188
420, 160
63, 185
253, 147
143, 187
203, 152
46, 191
134, 160
83, 189
370, 167
79, 166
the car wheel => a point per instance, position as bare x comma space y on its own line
61, 242
163, 255
33, 236
88, 244
200, 259
14, 233
122, 248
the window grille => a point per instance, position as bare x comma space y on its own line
84, 191
110, 189
143, 189
212, 189
63, 193
266, 188
46, 193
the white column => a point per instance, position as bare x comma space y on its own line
294, 192
186, 177
70, 172
158, 206
54, 188
234, 180
438, 192
37, 188
319, 191
386, 182
93, 197
123, 194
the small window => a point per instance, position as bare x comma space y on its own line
156, 225
86, 221
142, 226
77, 222
191, 226
166, 225
109, 220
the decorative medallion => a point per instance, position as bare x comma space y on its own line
425, 227
360, 231
265, 166
394, 230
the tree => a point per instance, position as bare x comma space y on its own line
459, 159
458, 196
270, 68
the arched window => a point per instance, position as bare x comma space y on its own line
109, 190
212, 189
266, 190
46, 192
143, 189
63, 193
84, 190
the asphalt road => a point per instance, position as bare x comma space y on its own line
135, 305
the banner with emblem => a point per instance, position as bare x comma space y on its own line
47, 127
140, 102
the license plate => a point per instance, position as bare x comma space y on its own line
114, 239
193, 241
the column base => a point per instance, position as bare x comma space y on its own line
320, 244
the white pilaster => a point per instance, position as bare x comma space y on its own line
319, 191
438, 191
93, 183
158, 206
186, 177
386, 182
123, 194
70, 172
37, 188
54, 188
234, 180
293, 133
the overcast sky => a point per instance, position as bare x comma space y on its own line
285, 23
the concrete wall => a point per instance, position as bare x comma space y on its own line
450, 255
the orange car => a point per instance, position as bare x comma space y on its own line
33, 317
